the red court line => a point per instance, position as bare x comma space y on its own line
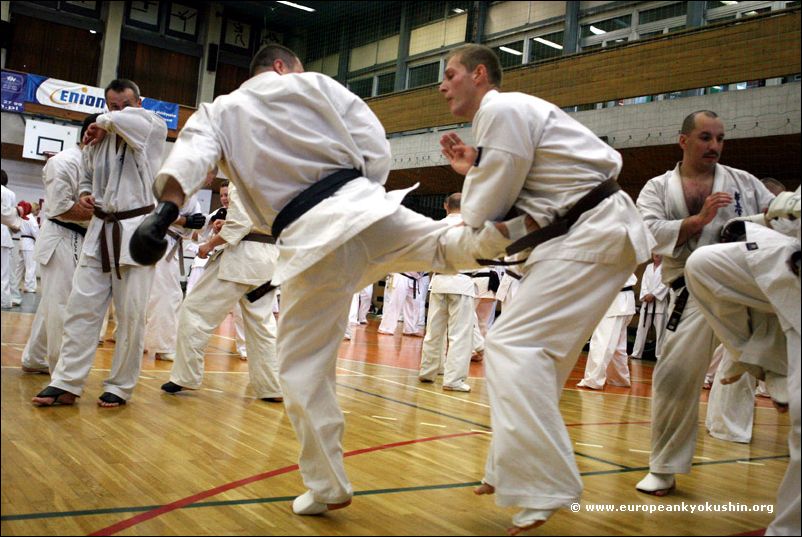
147, 515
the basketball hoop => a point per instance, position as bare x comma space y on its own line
48, 154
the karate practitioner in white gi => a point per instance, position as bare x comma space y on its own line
451, 319
205, 233
282, 132
532, 155
730, 282
11, 222
57, 251
127, 144
404, 299
607, 356
685, 208
654, 301
161, 317
29, 232
242, 266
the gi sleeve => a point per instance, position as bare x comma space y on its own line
368, 134
196, 151
506, 141
134, 125
651, 204
59, 177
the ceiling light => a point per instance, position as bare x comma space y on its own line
750, 13
730, 3
596, 31
92, 31
509, 50
458, 10
296, 6
548, 43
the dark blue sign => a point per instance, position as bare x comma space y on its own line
167, 111
13, 91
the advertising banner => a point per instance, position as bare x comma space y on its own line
13, 91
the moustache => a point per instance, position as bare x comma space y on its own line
712, 154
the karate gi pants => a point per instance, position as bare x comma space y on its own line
204, 310
530, 352
731, 410
44, 344
401, 301
92, 290
607, 356
17, 271
29, 277
161, 319
314, 313
5, 275
725, 284
645, 321
450, 317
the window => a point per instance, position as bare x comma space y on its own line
363, 87
546, 46
676, 9
510, 54
385, 83
606, 26
423, 75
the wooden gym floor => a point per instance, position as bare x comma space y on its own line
217, 461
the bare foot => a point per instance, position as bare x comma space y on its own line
782, 408
515, 530
484, 488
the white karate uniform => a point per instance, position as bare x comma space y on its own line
235, 270
730, 412
607, 357
733, 280
57, 252
120, 179
302, 128
198, 264
10, 217
161, 317
17, 268
406, 289
508, 286
537, 158
687, 351
29, 231
652, 313
451, 318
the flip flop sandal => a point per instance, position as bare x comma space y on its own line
59, 396
110, 398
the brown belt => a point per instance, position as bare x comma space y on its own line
114, 219
178, 247
259, 237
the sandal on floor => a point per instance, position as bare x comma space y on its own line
52, 396
111, 399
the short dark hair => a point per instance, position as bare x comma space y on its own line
3, 177
270, 53
453, 201
471, 56
224, 183
88, 120
690, 120
119, 85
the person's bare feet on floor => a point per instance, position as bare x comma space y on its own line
484, 488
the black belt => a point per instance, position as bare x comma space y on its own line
646, 310
679, 303
512, 274
414, 284
259, 237
561, 225
628, 288
494, 282
306, 200
255, 294
14, 238
28, 237
71, 226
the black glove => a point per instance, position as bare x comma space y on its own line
734, 231
195, 221
220, 214
148, 244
